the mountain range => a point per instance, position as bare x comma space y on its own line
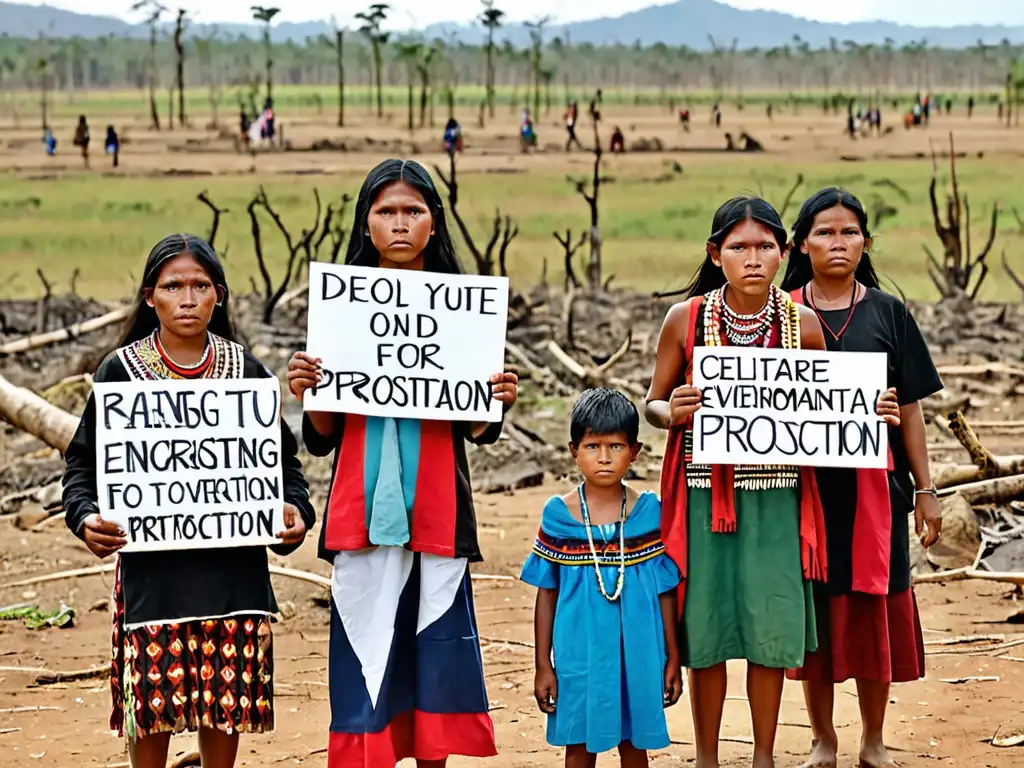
684, 22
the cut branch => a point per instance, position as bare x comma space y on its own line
204, 198
35, 341
503, 229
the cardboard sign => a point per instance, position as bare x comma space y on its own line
190, 464
405, 343
789, 407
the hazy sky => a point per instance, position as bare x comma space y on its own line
416, 12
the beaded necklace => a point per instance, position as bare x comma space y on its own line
185, 370
724, 325
620, 581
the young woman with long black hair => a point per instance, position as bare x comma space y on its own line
192, 646
868, 625
748, 539
406, 676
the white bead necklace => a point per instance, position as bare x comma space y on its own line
620, 581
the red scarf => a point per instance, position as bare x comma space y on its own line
723, 500
872, 523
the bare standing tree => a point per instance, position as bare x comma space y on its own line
491, 18
43, 68
338, 46
410, 52
179, 62
536, 29
372, 18
153, 11
266, 16
205, 54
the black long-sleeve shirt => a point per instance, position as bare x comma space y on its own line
171, 585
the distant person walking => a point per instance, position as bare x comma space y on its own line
571, 116
49, 142
82, 138
112, 144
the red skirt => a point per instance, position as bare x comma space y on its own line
866, 637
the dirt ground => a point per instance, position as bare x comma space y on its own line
807, 136
931, 722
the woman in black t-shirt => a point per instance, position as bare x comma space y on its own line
868, 623
192, 643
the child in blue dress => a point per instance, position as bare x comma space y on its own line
607, 660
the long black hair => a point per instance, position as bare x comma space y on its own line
733, 212
143, 320
439, 255
799, 271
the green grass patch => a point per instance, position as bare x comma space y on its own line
654, 233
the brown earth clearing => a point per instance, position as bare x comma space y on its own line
937, 721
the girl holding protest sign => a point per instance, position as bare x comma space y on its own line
867, 616
192, 646
406, 676
748, 539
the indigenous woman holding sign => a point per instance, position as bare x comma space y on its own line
192, 644
406, 676
868, 624
747, 539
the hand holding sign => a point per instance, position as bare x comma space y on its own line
888, 407
683, 402
303, 373
295, 527
505, 387
102, 537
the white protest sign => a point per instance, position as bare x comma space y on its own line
789, 407
405, 343
190, 464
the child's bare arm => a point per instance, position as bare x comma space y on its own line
545, 687
673, 673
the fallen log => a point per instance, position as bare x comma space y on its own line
984, 370
981, 457
37, 340
998, 490
970, 473
312, 578
30, 413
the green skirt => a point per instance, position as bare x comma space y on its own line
746, 596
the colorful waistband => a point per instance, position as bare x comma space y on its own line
746, 477
577, 551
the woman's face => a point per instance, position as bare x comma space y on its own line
400, 225
749, 256
835, 242
184, 297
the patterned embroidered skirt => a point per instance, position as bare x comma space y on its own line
212, 673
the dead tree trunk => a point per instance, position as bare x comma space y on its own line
570, 248
959, 271
503, 228
30, 413
179, 55
594, 265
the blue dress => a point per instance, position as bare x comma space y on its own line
609, 657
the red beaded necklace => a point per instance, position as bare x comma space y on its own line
809, 299
186, 372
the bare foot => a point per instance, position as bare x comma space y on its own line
876, 756
824, 754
